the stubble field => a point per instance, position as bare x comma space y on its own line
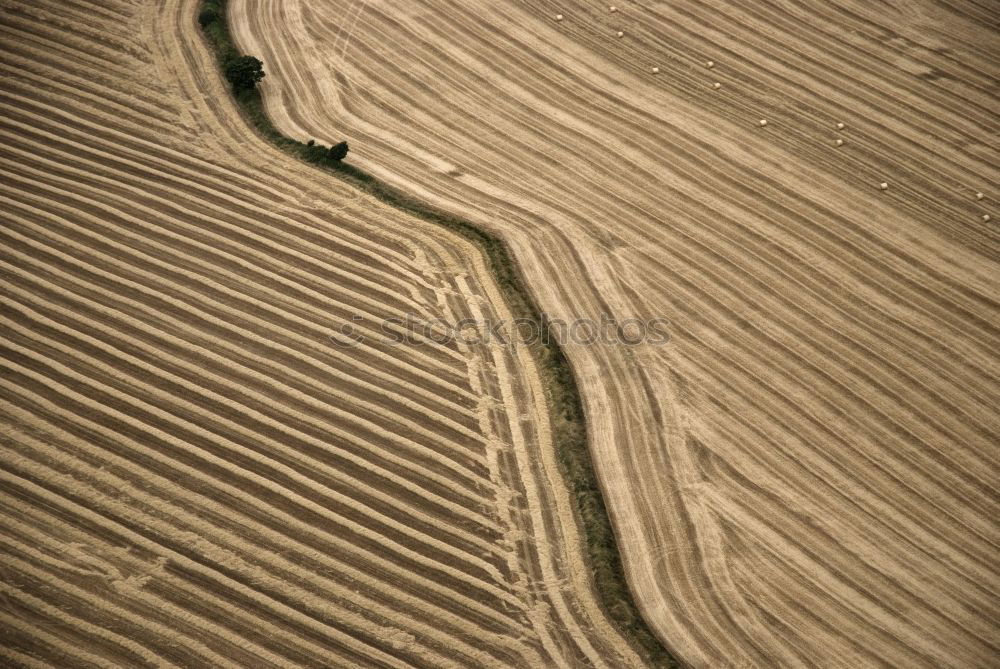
807, 474
193, 474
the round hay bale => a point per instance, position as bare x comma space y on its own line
656, 70
763, 122
612, 8
840, 126
986, 218
559, 17
883, 186
979, 196
621, 34
710, 64
839, 142
717, 85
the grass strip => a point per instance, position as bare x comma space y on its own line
569, 431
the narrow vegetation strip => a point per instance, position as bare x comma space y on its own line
567, 418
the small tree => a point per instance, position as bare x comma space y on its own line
339, 151
244, 73
311, 142
207, 16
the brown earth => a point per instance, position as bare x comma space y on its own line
807, 473
192, 474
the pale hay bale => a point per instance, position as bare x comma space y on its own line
717, 85
559, 17
979, 196
883, 186
986, 218
840, 126
621, 34
612, 8
763, 122
839, 142
710, 64
656, 70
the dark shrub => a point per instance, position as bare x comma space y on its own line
339, 151
208, 15
244, 73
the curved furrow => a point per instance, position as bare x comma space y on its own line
152, 187
346, 471
135, 652
623, 203
833, 343
401, 515
415, 457
295, 581
776, 472
329, 640
798, 425
400, 405
171, 286
18, 558
283, 588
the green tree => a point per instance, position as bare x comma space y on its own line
339, 151
244, 73
208, 15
